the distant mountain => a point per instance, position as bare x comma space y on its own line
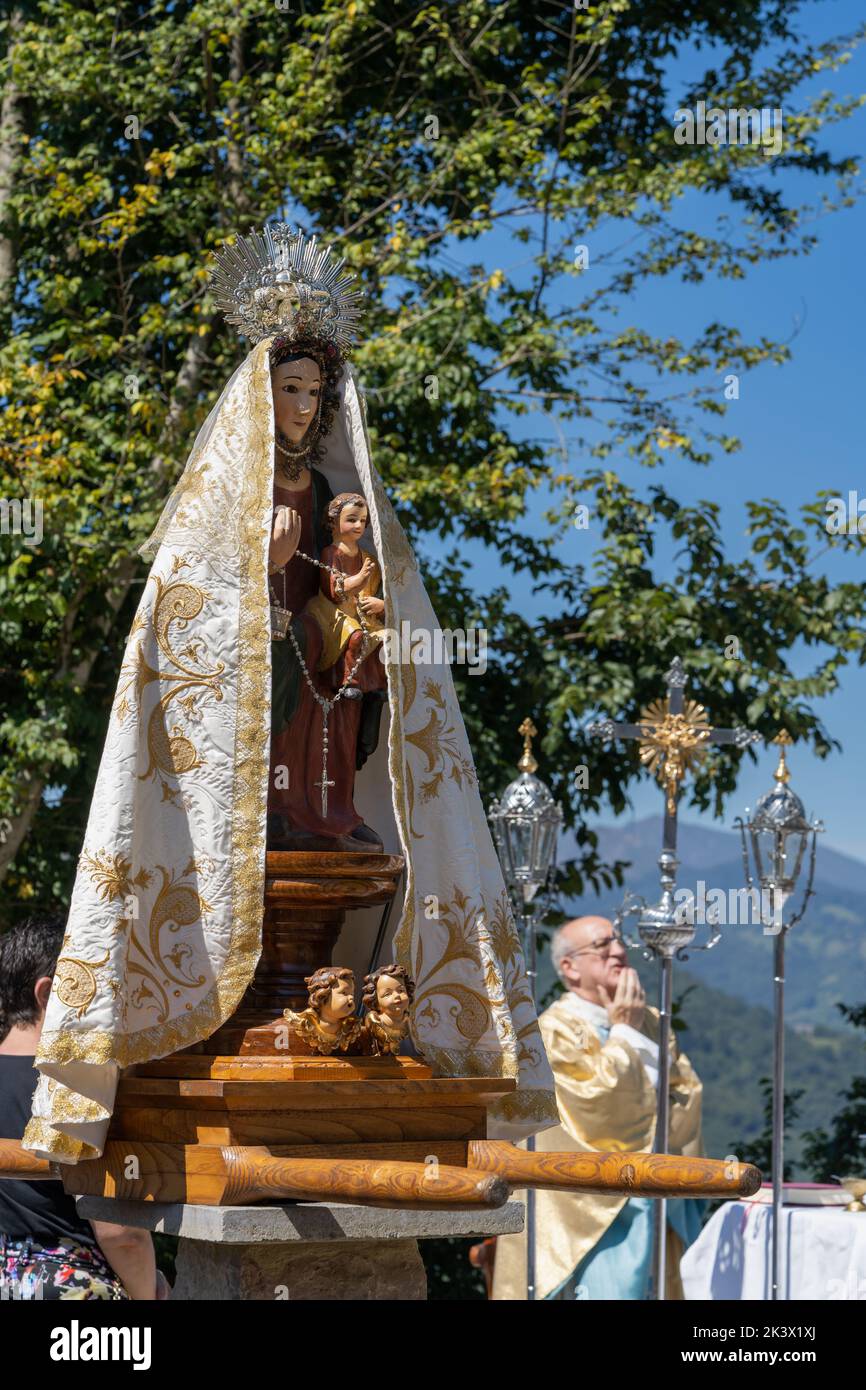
701, 847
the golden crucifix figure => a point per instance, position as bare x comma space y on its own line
673, 743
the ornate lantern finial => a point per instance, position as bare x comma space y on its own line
779, 832
784, 740
527, 762
526, 822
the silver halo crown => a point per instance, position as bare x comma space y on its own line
279, 281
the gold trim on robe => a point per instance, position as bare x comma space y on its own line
164, 927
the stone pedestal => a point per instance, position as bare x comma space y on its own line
312, 1251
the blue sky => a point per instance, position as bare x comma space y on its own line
801, 426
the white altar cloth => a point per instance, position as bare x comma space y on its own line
823, 1254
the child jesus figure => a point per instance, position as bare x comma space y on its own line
345, 596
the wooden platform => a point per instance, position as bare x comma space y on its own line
226, 1130
301, 1101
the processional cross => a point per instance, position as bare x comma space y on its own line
674, 735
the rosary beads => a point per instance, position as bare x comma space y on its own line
281, 628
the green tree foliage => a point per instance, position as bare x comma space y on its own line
760, 1149
134, 137
841, 1150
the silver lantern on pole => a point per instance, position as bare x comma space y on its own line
526, 822
778, 835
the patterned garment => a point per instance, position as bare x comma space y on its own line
66, 1270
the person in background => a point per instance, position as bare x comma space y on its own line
601, 1039
47, 1251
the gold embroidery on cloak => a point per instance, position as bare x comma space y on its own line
75, 982
438, 741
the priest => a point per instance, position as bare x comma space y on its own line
601, 1040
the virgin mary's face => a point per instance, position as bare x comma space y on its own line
296, 388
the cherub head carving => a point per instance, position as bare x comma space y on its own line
331, 993
388, 994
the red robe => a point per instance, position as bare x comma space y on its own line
296, 752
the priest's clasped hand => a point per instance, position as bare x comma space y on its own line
629, 1001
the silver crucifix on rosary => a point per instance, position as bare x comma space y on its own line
324, 783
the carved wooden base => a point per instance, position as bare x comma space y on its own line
307, 897
301, 1100
221, 1130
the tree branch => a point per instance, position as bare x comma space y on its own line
11, 130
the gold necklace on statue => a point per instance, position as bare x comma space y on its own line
296, 459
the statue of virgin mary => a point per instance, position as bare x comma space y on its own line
234, 729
